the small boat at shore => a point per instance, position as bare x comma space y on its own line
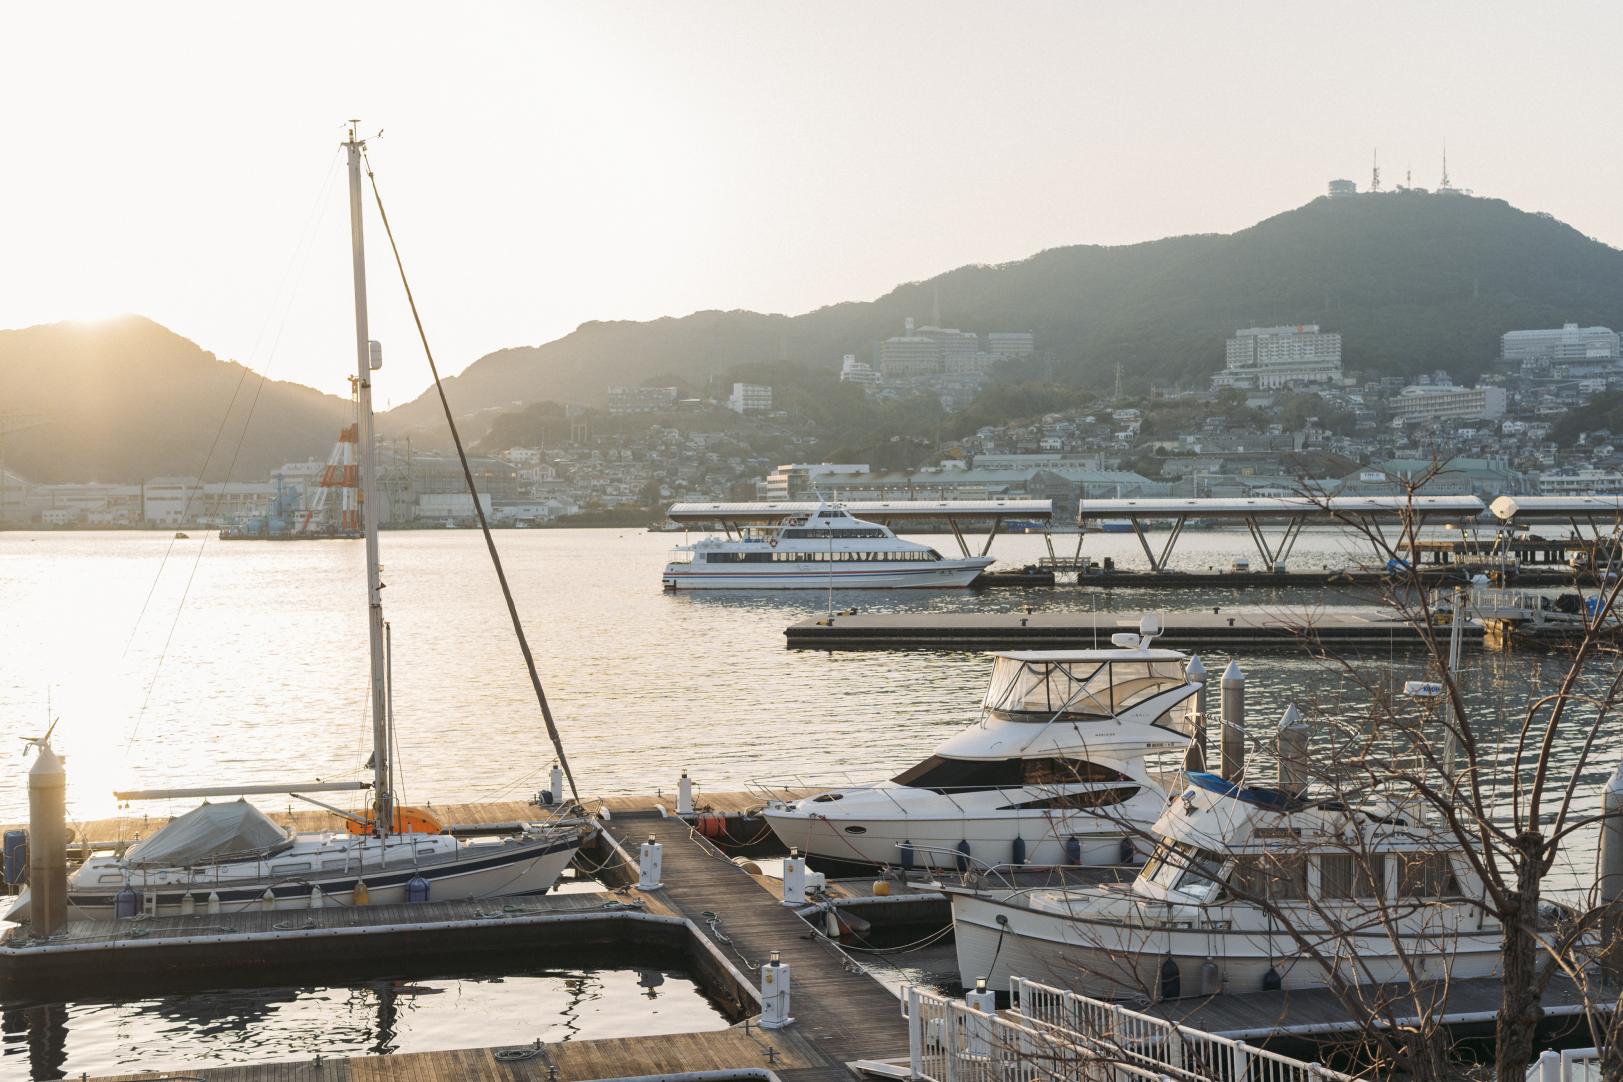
1055, 773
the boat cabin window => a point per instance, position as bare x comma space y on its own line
964, 775
1184, 868
1352, 875
825, 533
1079, 688
1426, 875
1278, 876
1103, 797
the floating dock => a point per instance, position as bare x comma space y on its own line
1330, 630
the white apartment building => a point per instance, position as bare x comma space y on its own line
1432, 401
909, 355
1568, 343
802, 480
855, 371
955, 344
1584, 482
1011, 343
1267, 358
750, 398
626, 399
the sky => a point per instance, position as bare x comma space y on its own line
545, 164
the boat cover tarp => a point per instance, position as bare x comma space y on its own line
212, 833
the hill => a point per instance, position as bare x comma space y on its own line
126, 399
1413, 282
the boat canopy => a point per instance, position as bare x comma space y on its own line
1045, 685
212, 834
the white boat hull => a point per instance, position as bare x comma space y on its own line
1114, 961
934, 842
518, 868
939, 574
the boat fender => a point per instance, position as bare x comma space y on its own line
363, 893
881, 888
1170, 983
1211, 978
416, 889
1271, 980
1073, 850
1018, 856
831, 924
963, 855
268, 899
907, 855
1128, 853
126, 903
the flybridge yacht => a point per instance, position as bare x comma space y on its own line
826, 548
1248, 888
1056, 772
229, 856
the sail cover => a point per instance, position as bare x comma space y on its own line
211, 834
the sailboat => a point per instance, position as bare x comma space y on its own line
229, 857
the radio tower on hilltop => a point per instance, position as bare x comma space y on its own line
1375, 172
1445, 185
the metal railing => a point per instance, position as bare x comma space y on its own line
1567, 1065
1151, 1044
949, 1041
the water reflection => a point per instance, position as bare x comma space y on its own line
375, 1017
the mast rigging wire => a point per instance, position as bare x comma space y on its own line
467, 474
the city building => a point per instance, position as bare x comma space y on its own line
1434, 401
855, 371
1568, 343
909, 356
1011, 343
1339, 188
954, 344
1267, 358
1587, 481
804, 480
625, 399
750, 398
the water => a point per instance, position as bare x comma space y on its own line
468, 1009
196, 662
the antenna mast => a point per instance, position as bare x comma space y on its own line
1446, 185
365, 362
1375, 172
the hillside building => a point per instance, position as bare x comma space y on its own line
855, 371
1268, 358
1570, 342
1011, 343
624, 399
909, 355
804, 480
1435, 401
1339, 188
750, 398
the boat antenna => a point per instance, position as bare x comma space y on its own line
473, 490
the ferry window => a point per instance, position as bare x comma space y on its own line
1064, 771
1426, 875
961, 775
1350, 875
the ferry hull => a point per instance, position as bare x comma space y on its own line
947, 574
1113, 961
521, 869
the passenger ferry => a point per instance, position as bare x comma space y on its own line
827, 548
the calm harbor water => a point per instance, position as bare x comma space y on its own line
195, 662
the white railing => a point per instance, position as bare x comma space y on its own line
1154, 1045
1567, 1065
950, 1041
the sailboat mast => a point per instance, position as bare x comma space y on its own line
383, 802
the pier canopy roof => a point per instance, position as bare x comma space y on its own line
876, 510
1253, 510
1523, 510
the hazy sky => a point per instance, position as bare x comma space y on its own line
547, 164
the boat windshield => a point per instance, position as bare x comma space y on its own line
1078, 689
1185, 868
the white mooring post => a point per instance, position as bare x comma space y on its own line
979, 1030
1195, 757
775, 994
650, 863
1232, 742
794, 878
684, 794
1610, 881
556, 783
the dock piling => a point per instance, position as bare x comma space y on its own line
1610, 881
684, 794
1233, 708
1292, 752
794, 879
48, 841
979, 1030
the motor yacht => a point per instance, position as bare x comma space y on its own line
1248, 888
825, 549
1056, 772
